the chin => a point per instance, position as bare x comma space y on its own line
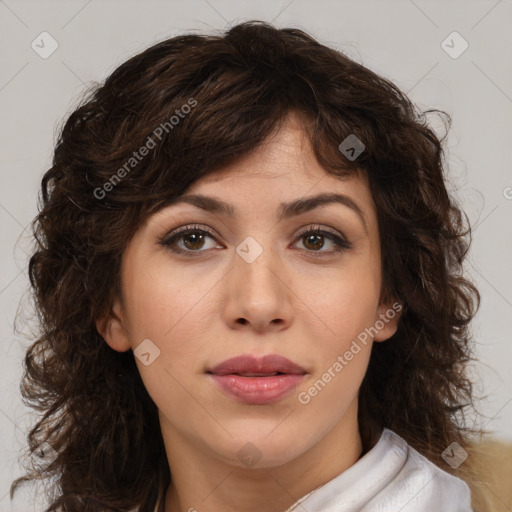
259, 447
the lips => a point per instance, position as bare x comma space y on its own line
257, 381
250, 366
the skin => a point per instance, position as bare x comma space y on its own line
306, 308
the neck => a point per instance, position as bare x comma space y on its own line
205, 483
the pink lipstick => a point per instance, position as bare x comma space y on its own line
257, 380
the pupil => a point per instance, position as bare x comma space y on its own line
193, 244
315, 245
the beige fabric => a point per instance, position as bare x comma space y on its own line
492, 487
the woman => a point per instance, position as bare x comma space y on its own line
248, 276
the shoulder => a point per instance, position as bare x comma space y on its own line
423, 482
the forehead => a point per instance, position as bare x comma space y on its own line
283, 167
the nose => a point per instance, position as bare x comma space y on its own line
258, 293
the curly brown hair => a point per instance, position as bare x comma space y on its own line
238, 86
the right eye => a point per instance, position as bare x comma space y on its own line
192, 238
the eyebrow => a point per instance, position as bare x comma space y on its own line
285, 211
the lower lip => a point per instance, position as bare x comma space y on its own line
257, 390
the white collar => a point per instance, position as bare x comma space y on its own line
390, 476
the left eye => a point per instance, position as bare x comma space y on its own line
314, 239
193, 239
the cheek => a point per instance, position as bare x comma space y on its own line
346, 349
347, 305
162, 300
167, 308
326, 397
346, 308
170, 309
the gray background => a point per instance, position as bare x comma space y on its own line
398, 39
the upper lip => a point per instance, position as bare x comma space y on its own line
266, 365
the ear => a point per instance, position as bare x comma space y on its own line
386, 321
112, 329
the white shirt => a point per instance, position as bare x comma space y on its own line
391, 477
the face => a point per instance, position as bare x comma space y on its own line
255, 281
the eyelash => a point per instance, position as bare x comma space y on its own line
169, 239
